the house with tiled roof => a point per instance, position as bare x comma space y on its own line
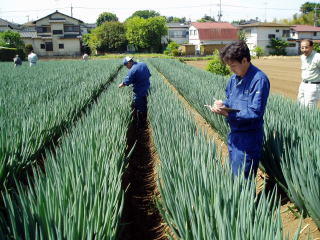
6, 25
300, 32
54, 35
207, 36
260, 34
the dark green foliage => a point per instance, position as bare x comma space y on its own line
278, 46
7, 54
308, 7
217, 66
172, 19
109, 37
207, 18
145, 14
316, 47
146, 34
106, 17
28, 48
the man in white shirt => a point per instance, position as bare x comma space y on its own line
32, 58
309, 90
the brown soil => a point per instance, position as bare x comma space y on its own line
274, 68
141, 219
284, 73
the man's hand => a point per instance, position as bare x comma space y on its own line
216, 108
121, 85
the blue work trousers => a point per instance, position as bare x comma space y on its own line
245, 151
140, 103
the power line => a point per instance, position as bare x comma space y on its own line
164, 8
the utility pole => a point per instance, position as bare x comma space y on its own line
28, 17
71, 10
220, 13
315, 18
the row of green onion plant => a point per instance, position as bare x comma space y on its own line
36, 104
199, 197
290, 155
80, 195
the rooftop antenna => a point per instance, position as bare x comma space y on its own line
220, 13
265, 11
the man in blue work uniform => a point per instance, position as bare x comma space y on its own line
138, 76
247, 91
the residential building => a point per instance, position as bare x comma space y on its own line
177, 32
207, 36
54, 35
260, 34
6, 25
300, 32
87, 27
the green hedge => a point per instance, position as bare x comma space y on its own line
7, 54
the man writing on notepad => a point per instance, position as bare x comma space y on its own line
247, 91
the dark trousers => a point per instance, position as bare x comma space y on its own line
140, 105
245, 151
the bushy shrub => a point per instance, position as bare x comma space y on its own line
259, 51
28, 48
217, 66
7, 54
172, 49
316, 47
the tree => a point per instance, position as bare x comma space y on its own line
316, 47
217, 66
108, 37
172, 19
242, 35
259, 51
145, 14
207, 18
308, 7
278, 46
106, 17
145, 34
11, 39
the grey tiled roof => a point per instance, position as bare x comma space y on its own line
28, 34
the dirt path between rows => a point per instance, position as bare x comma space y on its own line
290, 221
141, 219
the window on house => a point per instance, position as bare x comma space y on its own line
248, 31
293, 33
277, 30
270, 36
315, 34
49, 46
292, 44
61, 46
195, 32
71, 28
42, 46
191, 32
43, 29
57, 32
286, 33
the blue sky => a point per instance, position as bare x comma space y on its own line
20, 11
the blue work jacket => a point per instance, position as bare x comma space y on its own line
249, 95
138, 76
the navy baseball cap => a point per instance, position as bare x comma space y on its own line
126, 60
